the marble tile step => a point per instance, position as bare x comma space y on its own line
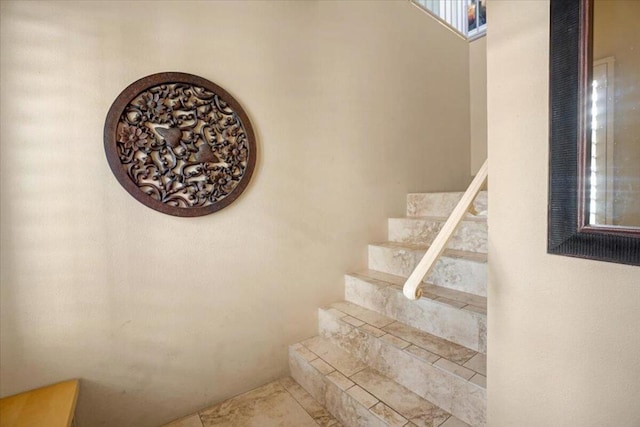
458, 270
471, 235
451, 376
356, 394
279, 403
458, 299
455, 316
441, 204
404, 336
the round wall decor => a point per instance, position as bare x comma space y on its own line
180, 144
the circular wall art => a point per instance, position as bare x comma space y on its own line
180, 144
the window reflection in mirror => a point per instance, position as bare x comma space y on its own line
613, 196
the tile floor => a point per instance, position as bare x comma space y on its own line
281, 403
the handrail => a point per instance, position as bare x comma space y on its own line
411, 287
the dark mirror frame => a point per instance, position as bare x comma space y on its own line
570, 62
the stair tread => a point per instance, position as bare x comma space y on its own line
458, 359
451, 253
458, 299
389, 401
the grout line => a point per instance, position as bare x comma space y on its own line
427, 294
334, 368
300, 404
378, 397
440, 356
390, 405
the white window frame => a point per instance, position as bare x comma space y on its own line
601, 213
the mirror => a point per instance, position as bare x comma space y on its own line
613, 195
594, 148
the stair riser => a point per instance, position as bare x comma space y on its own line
453, 273
456, 395
340, 404
461, 326
470, 235
440, 204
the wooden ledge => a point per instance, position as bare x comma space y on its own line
51, 406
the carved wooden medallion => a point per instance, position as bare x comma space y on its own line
180, 144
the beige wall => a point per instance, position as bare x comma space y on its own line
159, 316
478, 102
563, 332
616, 33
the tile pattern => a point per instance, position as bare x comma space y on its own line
366, 398
471, 235
340, 380
429, 375
443, 348
444, 295
280, 403
318, 412
422, 345
388, 415
267, 405
400, 399
362, 396
459, 270
460, 371
478, 363
337, 358
480, 380
382, 293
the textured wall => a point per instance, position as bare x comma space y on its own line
563, 332
354, 103
478, 102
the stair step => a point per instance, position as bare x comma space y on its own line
471, 234
445, 373
458, 270
441, 204
402, 335
361, 397
458, 299
455, 316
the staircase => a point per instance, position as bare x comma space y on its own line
382, 360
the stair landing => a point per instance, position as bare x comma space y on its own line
280, 403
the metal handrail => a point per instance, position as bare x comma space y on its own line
411, 287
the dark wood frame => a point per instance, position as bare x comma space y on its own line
110, 136
569, 148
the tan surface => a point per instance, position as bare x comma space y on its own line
51, 406
478, 102
563, 332
354, 104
